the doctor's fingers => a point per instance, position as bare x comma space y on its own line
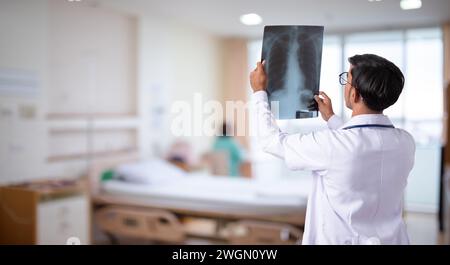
257, 76
324, 95
260, 66
255, 70
326, 99
319, 101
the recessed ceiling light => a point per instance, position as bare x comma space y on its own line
375, 0
410, 4
251, 19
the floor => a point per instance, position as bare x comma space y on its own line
423, 229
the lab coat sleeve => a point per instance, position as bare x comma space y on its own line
299, 151
335, 122
268, 135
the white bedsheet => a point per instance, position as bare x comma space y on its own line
215, 193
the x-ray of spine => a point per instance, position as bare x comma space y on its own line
293, 56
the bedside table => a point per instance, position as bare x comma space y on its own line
45, 212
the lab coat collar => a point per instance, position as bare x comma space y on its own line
368, 119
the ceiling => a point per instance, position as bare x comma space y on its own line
221, 17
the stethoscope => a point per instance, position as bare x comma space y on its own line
368, 125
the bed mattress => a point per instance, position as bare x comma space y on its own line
219, 194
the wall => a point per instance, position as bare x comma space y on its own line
236, 79
92, 60
23, 46
92, 90
422, 191
175, 63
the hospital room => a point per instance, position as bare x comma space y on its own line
132, 122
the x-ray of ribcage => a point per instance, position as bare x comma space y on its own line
293, 56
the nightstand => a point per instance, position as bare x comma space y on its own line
45, 212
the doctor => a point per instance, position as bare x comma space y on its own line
360, 168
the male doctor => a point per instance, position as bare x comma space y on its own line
359, 168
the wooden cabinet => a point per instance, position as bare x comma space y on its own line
44, 213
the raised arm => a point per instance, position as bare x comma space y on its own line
300, 151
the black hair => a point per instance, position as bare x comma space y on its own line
377, 80
225, 130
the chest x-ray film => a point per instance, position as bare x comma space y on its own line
293, 56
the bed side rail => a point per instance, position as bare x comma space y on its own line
259, 232
157, 225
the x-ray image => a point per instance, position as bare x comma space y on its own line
293, 56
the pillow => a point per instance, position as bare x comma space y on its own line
154, 171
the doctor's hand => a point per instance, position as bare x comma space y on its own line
258, 78
325, 106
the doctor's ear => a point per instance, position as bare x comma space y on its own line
354, 95
357, 96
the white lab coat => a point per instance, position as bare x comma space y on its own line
359, 175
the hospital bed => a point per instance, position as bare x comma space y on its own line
221, 209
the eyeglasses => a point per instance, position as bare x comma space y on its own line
343, 78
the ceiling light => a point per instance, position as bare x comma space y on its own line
251, 19
410, 4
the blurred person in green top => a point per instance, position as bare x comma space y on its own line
227, 143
